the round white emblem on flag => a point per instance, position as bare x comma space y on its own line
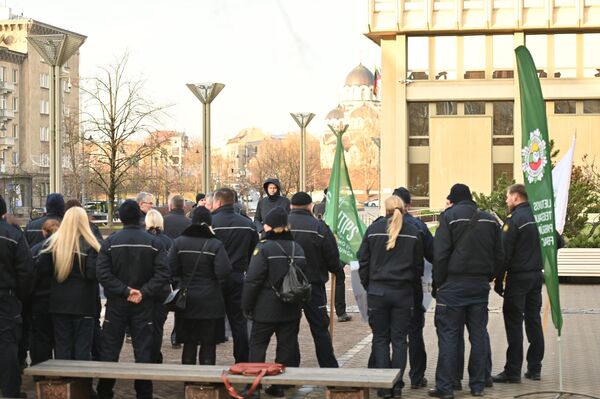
534, 157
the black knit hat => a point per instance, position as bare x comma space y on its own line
459, 192
277, 217
200, 196
201, 215
55, 203
129, 212
301, 198
404, 194
2, 206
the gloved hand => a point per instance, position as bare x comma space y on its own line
248, 314
499, 288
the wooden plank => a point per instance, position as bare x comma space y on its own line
359, 377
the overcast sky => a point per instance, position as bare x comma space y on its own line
274, 56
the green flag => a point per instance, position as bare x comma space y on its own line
537, 172
340, 211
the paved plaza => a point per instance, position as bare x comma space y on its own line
580, 352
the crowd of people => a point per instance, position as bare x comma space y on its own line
230, 267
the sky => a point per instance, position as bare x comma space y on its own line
274, 56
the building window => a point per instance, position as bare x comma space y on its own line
502, 170
44, 107
446, 108
445, 57
591, 55
503, 56
418, 58
474, 57
44, 81
565, 55
15, 158
66, 86
418, 183
15, 131
591, 106
2, 74
44, 160
565, 107
503, 122
538, 47
418, 124
44, 134
15, 104
474, 108
15, 73
66, 110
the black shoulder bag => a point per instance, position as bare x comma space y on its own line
294, 287
177, 299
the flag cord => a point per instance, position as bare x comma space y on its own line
560, 368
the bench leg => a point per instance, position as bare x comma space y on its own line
347, 393
206, 391
61, 389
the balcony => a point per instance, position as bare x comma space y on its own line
6, 114
6, 87
7, 142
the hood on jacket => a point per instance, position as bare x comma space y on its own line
55, 204
275, 182
199, 231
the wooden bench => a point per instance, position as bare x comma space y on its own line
205, 381
579, 262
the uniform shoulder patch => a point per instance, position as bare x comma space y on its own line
509, 215
505, 227
256, 251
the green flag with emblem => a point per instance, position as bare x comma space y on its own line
340, 211
537, 172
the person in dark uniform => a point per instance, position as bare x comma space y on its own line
340, 277
132, 269
273, 199
16, 276
55, 209
176, 221
269, 264
467, 254
239, 236
155, 226
199, 260
41, 346
416, 345
322, 258
391, 261
523, 290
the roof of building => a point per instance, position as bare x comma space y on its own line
336, 113
365, 111
360, 76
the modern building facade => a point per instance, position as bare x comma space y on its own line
24, 111
450, 105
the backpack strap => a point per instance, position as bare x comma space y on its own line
472, 223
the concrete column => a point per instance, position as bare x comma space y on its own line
519, 39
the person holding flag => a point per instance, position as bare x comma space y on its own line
523, 289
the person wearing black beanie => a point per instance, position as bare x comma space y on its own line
55, 209
132, 268
276, 218
16, 277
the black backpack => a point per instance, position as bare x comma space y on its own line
294, 286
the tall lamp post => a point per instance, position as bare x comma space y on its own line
302, 119
206, 93
56, 49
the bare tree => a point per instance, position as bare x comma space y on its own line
116, 113
73, 145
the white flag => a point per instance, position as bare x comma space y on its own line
561, 181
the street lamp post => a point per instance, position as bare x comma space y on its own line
206, 93
56, 49
377, 142
302, 119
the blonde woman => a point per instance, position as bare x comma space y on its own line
73, 250
391, 260
155, 226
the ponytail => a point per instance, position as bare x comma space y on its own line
394, 209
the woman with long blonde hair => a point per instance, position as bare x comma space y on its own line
72, 251
391, 260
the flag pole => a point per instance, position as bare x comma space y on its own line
332, 303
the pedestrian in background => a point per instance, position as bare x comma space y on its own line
199, 260
273, 199
175, 221
391, 260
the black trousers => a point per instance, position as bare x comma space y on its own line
287, 342
24, 331
121, 314
460, 358
73, 336
417, 355
10, 320
42, 333
315, 311
522, 302
232, 293
389, 316
340, 292
450, 322
199, 332
158, 323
